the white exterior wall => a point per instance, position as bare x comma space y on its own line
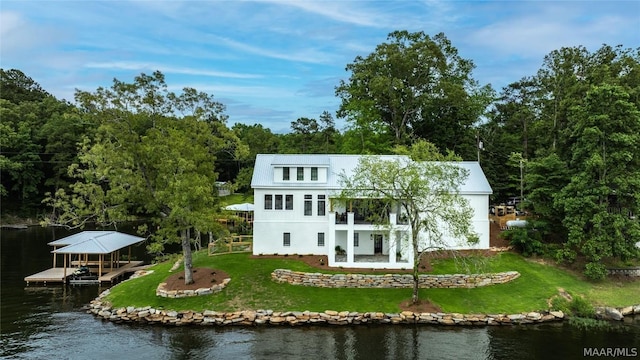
480, 225
270, 225
293, 175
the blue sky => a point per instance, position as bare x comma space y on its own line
271, 62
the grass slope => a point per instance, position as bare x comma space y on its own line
251, 287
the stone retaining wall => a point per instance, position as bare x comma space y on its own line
161, 291
625, 272
391, 280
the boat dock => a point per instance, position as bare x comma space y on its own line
53, 275
116, 273
57, 274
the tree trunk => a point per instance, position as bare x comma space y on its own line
414, 297
416, 264
186, 252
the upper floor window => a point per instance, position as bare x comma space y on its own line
288, 202
278, 202
356, 239
268, 202
300, 174
307, 205
314, 173
321, 205
285, 173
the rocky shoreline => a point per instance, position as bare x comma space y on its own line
149, 315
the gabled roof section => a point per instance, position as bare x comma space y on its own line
95, 242
76, 238
476, 183
301, 160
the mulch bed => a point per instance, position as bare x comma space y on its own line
202, 278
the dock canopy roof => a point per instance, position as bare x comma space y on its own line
95, 242
240, 207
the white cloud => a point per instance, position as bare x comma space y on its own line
340, 11
538, 33
308, 55
131, 65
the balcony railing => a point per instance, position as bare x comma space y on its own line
360, 218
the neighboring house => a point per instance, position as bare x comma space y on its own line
297, 212
224, 188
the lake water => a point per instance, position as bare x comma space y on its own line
47, 322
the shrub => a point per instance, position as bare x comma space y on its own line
527, 240
578, 307
595, 271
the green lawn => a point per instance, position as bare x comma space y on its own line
236, 199
251, 287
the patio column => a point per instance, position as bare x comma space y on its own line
350, 231
54, 255
331, 239
393, 246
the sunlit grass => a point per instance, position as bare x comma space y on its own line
251, 287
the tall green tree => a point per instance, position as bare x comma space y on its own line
20, 162
258, 140
425, 184
603, 196
153, 156
330, 135
17, 87
27, 160
415, 86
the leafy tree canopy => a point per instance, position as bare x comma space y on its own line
415, 86
153, 155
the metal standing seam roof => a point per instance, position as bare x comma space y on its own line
476, 182
95, 242
301, 159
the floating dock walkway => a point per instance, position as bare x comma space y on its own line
53, 275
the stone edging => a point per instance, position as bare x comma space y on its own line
161, 291
150, 315
632, 272
147, 314
391, 280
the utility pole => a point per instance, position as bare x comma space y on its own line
479, 145
521, 182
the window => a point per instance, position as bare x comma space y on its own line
268, 202
300, 174
320, 239
285, 173
289, 202
307, 205
356, 239
286, 239
278, 202
321, 205
314, 173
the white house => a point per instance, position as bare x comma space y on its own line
297, 212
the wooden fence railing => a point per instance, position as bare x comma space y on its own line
234, 243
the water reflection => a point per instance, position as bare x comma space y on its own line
47, 322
